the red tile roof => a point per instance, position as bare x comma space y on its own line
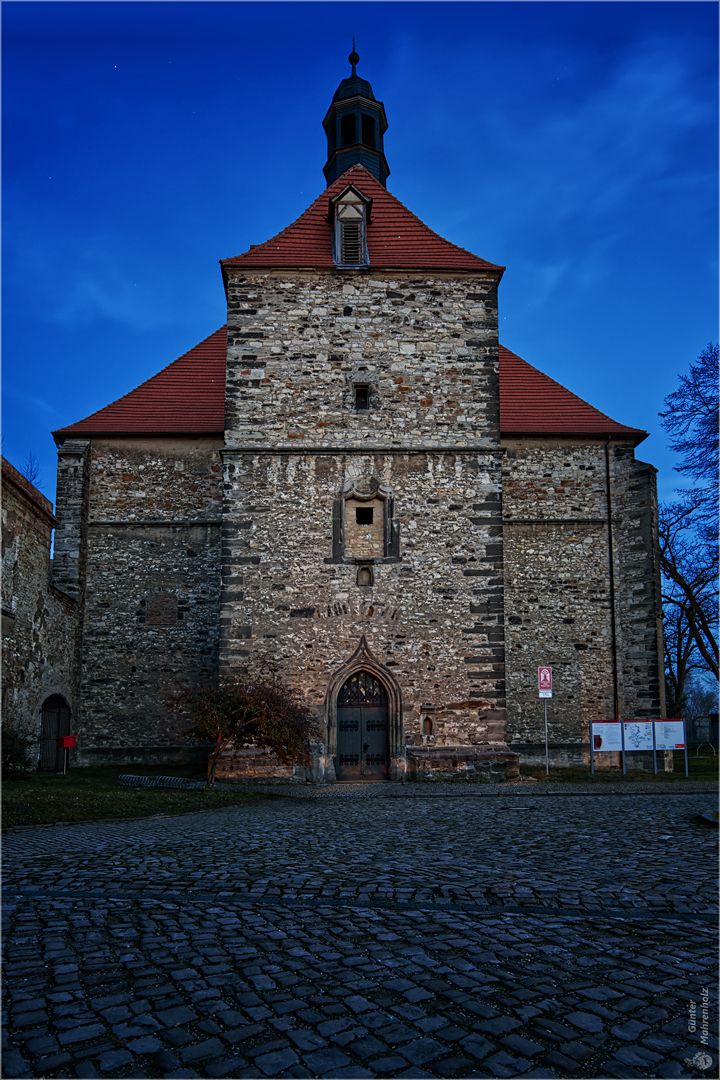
396, 239
531, 403
188, 397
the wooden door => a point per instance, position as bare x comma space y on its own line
362, 715
55, 721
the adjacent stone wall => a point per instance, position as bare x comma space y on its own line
639, 597
39, 623
71, 501
558, 597
152, 591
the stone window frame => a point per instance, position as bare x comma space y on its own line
361, 376
364, 569
365, 489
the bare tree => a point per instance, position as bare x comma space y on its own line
689, 565
691, 418
253, 705
689, 530
31, 469
700, 700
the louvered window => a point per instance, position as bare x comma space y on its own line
350, 211
351, 239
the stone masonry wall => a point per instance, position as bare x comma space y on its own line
637, 556
426, 346
433, 616
558, 596
39, 622
151, 611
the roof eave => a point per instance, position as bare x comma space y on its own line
390, 268
635, 434
104, 433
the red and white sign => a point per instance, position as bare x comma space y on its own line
544, 678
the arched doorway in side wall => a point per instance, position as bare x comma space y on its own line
363, 748
55, 722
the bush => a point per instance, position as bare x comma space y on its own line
252, 705
16, 759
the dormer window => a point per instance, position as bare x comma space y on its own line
350, 214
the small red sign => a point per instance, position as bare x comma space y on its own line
66, 742
544, 678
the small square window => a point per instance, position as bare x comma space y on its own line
364, 516
362, 397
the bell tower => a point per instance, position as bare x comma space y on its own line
355, 124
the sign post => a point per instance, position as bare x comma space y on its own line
65, 743
654, 751
545, 691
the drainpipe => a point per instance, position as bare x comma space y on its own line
613, 631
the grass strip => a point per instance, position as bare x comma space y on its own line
704, 767
92, 793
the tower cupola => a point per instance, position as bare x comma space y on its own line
355, 124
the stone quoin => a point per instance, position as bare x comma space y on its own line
354, 479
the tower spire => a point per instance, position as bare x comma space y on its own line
354, 59
355, 124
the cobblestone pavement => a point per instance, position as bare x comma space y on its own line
367, 937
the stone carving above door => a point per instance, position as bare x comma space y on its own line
366, 488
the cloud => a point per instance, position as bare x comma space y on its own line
565, 181
14, 394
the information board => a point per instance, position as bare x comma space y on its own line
638, 735
606, 737
670, 734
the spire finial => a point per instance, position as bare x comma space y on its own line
354, 58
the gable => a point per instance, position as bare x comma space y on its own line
396, 239
188, 397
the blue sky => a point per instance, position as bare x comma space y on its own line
574, 143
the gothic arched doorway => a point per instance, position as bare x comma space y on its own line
363, 749
55, 722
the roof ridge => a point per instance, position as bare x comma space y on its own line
307, 210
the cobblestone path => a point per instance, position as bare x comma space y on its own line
367, 937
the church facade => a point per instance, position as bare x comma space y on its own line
355, 480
